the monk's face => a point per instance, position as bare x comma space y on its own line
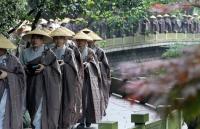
37, 40
81, 43
59, 40
2, 51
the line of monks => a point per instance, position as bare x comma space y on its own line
170, 24
59, 85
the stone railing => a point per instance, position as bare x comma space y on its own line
139, 41
171, 121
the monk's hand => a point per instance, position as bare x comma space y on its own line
85, 64
40, 68
61, 62
3, 74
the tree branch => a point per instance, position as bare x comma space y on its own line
37, 17
28, 14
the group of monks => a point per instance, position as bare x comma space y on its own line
170, 24
61, 79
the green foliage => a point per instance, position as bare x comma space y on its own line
174, 51
117, 13
180, 79
12, 11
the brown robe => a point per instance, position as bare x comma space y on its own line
71, 106
16, 85
79, 61
92, 97
161, 24
46, 84
105, 75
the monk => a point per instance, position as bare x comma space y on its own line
104, 67
92, 110
43, 80
12, 88
71, 105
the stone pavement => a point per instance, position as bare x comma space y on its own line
120, 110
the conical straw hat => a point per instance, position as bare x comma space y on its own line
42, 21
184, 15
195, 14
166, 15
65, 20
60, 32
27, 28
23, 24
86, 30
81, 35
159, 15
94, 36
46, 30
46, 38
68, 31
51, 20
173, 16
153, 17
5, 43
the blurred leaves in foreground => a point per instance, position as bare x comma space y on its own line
179, 78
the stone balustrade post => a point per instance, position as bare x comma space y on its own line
140, 120
179, 103
166, 35
163, 110
113, 40
108, 125
123, 38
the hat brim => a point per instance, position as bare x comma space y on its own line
94, 36
61, 32
82, 36
46, 37
5, 43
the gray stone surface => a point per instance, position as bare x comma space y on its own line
120, 110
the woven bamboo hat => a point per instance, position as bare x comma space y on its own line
65, 20
45, 35
46, 30
190, 16
42, 21
160, 16
60, 32
195, 14
27, 28
173, 16
166, 15
83, 36
184, 15
86, 30
153, 17
68, 31
5, 43
94, 36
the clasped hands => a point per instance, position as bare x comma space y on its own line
3, 74
61, 62
40, 68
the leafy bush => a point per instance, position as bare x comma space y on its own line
174, 51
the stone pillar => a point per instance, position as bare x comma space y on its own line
113, 41
108, 125
140, 120
179, 103
166, 35
163, 110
